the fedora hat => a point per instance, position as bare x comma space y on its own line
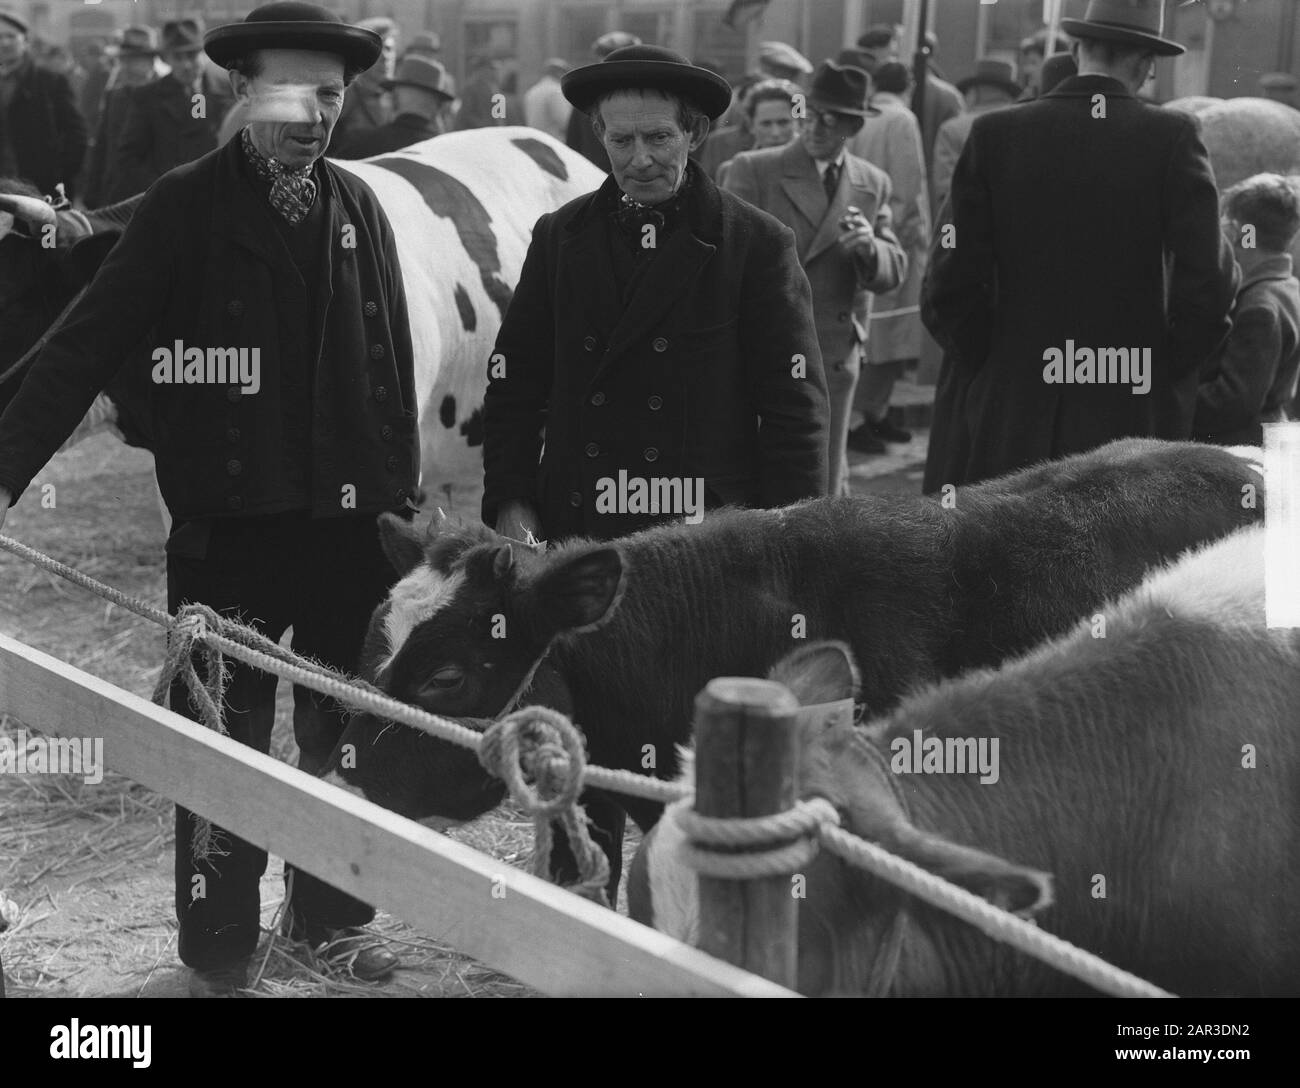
181, 36
421, 72
289, 24
991, 73
840, 89
134, 41
651, 67
1133, 22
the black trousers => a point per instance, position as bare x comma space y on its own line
324, 578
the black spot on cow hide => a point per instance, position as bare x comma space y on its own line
468, 318
544, 156
447, 411
472, 428
452, 200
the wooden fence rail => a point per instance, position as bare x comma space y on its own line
535, 932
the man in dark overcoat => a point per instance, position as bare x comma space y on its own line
172, 120
1086, 279
135, 58
661, 334
283, 402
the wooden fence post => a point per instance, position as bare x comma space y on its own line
746, 746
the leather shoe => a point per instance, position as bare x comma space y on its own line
888, 432
361, 952
220, 981
863, 440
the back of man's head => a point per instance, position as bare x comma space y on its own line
1128, 63
1270, 203
893, 78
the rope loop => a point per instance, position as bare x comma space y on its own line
790, 838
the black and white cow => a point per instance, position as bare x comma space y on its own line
623, 634
1153, 772
462, 208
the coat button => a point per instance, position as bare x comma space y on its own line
651, 454
233, 467
232, 434
391, 464
233, 394
386, 433
597, 399
659, 344
589, 343
371, 309
593, 450
656, 402
234, 307
575, 498
234, 502
376, 351
381, 394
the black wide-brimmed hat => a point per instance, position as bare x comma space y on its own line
650, 67
840, 88
293, 25
1135, 22
991, 73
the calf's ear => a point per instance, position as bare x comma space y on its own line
821, 672
578, 590
402, 543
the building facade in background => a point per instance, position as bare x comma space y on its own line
1230, 42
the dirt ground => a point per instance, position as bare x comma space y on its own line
89, 868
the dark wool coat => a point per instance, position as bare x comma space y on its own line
203, 262
102, 182
1104, 231
402, 131
161, 133
45, 129
692, 379
1251, 379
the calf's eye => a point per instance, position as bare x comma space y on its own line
448, 678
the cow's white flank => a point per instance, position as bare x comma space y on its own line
415, 599
1222, 582
1282, 521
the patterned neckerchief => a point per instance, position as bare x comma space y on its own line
292, 191
631, 215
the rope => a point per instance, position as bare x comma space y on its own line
547, 748
819, 817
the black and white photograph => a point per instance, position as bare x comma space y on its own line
650, 498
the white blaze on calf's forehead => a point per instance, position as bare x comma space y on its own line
414, 599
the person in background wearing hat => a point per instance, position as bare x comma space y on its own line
135, 54
545, 106
367, 106
1104, 239
891, 141
1032, 51
580, 136
482, 99
424, 44
661, 329
992, 86
1057, 67
42, 133
1251, 379
1280, 87
274, 495
422, 104
838, 205
769, 116
161, 131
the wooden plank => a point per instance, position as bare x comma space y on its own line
746, 744
538, 933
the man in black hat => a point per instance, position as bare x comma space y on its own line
837, 204
283, 395
134, 54
579, 134
175, 119
1086, 280
661, 338
422, 104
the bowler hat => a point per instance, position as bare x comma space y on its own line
1055, 68
840, 89
991, 73
1132, 22
289, 24
421, 72
181, 36
649, 67
134, 41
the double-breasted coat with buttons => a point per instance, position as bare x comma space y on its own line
202, 262
712, 371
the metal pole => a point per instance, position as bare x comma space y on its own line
921, 62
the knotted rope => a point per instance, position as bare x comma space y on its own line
540, 745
